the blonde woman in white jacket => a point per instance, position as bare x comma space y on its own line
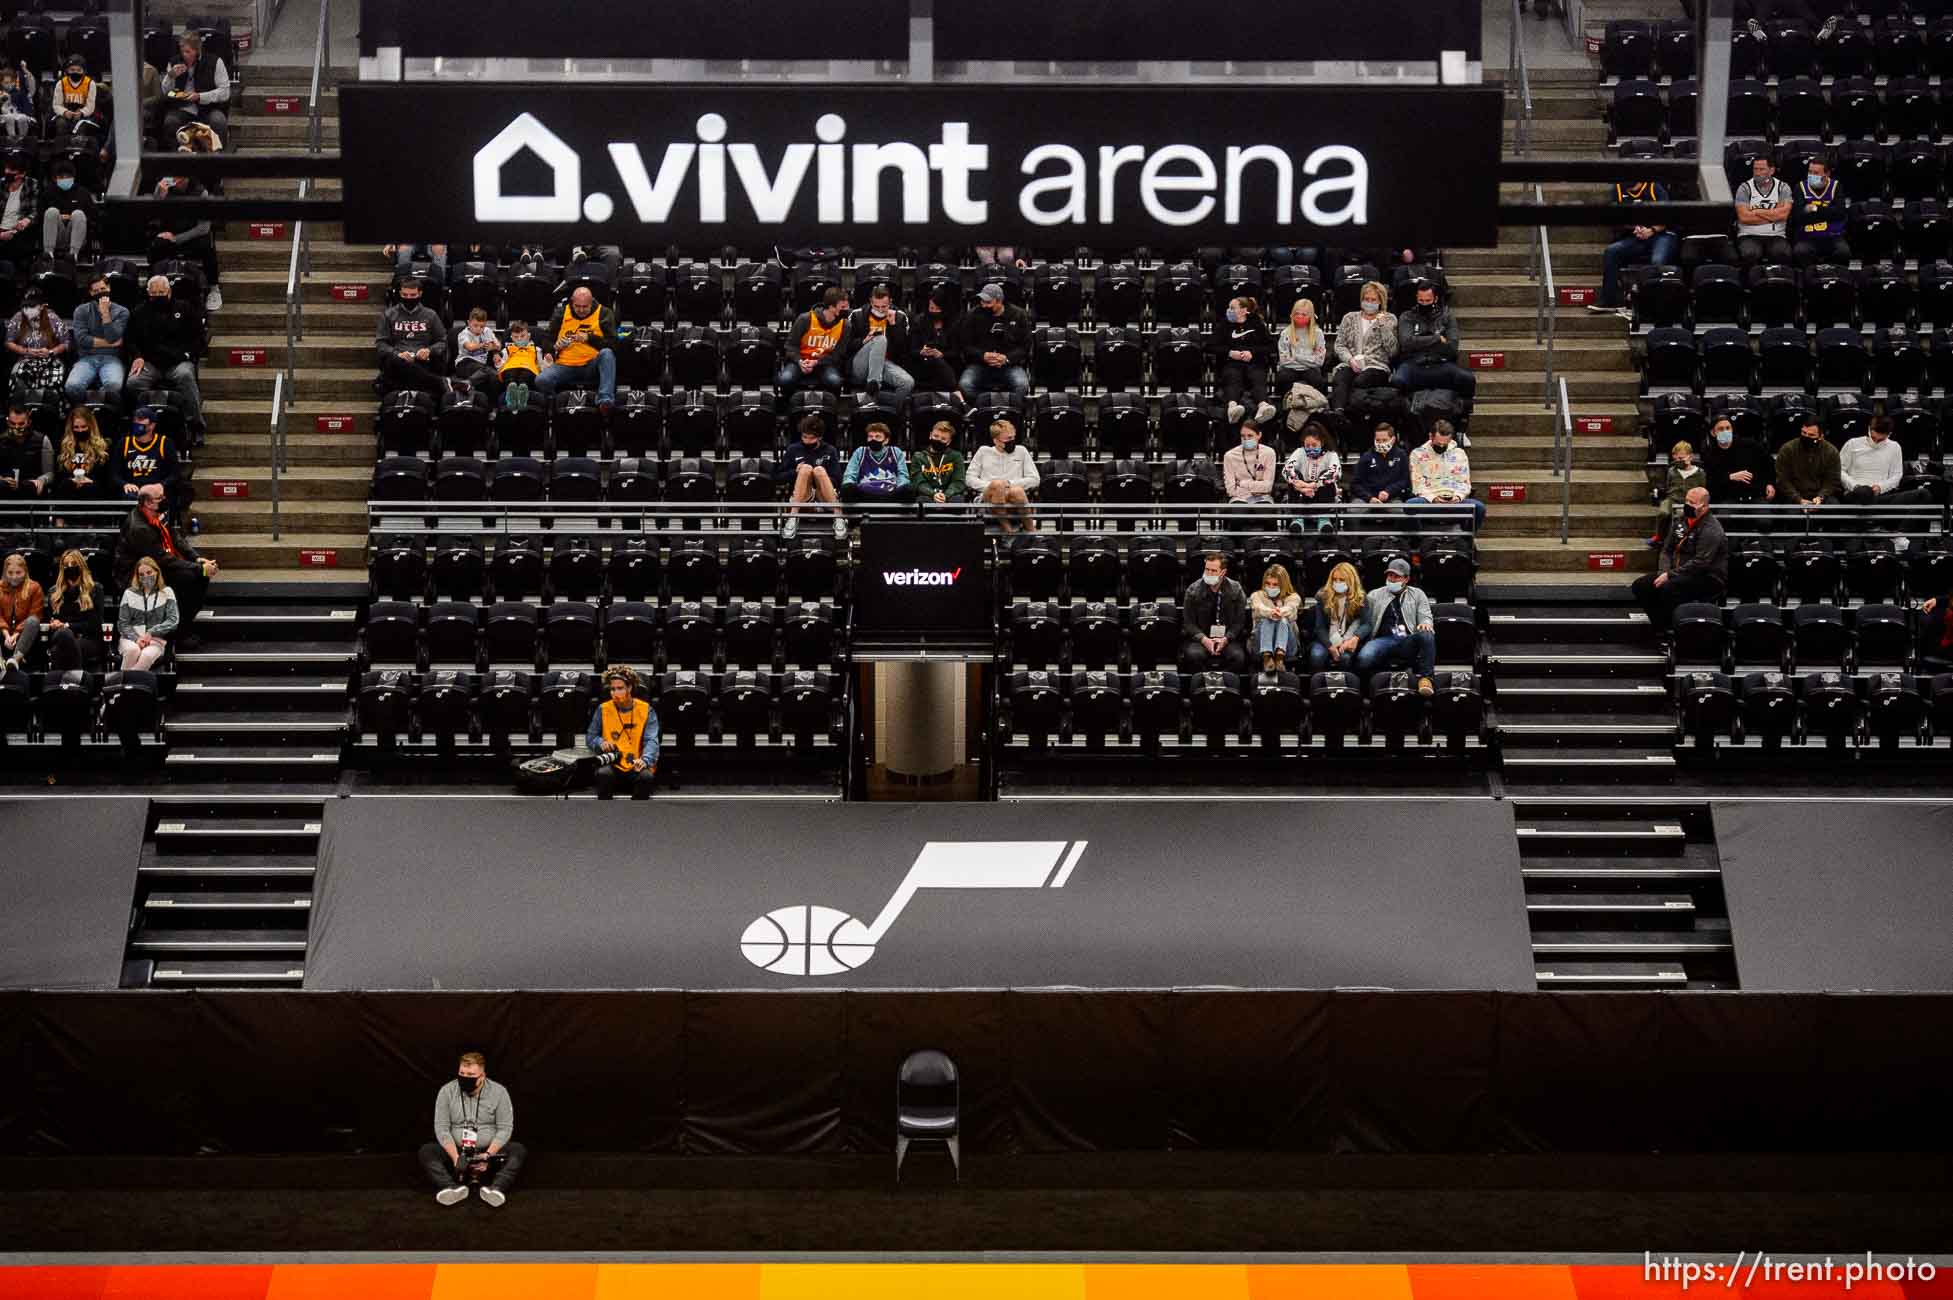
146, 617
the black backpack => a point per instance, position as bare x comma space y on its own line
554, 773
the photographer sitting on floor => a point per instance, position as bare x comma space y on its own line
623, 735
474, 1118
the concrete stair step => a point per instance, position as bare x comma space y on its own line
328, 257
296, 128
1493, 451
1503, 554
1590, 131
325, 320
1469, 291
318, 350
297, 483
1591, 487
1587, 386
275, 188
253, 515
1627, 524
317, 384
1571, 262
273, 558
1522, 354
1529, 417
1506, 322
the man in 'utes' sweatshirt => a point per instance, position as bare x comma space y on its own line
810, 468
474, 1136
412, 345
1807, 468
1872, 466
877, 471
1004, 475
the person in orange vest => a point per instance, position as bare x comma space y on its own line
623, 734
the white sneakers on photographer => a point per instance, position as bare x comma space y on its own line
493, 1196
454, 1195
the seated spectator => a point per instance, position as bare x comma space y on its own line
180, 237
81, 463
1341, 622
147, 536
411, 345
1683, 474
1694, 564
1872, 470
1313, 472
996, 346
1301, 350
871, 341
17, 120
1382, 472
476, 348
435, 255
151, 92
1214, 620
1818, 224
1401, 633
1762, 215
1248, 469
934, 335
196, 88
583, 355
26, 458
1737, 471
1936, 634
69, 215
72, 108
22, 606
1808, 469
1427, 343
75, 618
1634, 245
938, 470
518, 365
623, 734
1242, 348
1366, 342
20, 209
162, 337
1441, 474
810, 467
876, 471
1274, 608
474, 1124
99, 326
816, 341
147, 456
1004, 475
147, 618
39, 341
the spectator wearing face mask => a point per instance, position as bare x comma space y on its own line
996, 346
97, 330
39, 341
1242, 348
938, 469
1341, 622
1808, 469
147, 617
146, 456
1214, 620
1427, 343
1872, 469
1366, 343
1694, 564
26, 458
1301, 349
809, 468
163, 334
1818, 217
517, 366
1004, 475
75, 618
69, 215
81, 462
474, 1130
815, 340
1274, 608
180, 237
1313, 472
623, 734
874, 337
1683, 474
22, 606
149, 538
20, 209
72, 103
934, 336
1248, 469
411, 345
16, 105
1441, 474
1401, 633
1737, 471
1383, 472
876, 471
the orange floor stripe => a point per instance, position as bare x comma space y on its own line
934, 1281
342, 1281
1329, 1282
1481, 1282
678, 1281
515, 1282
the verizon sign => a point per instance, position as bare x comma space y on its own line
760, 163
921, 577
932, 578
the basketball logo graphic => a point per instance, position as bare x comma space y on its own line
808, 939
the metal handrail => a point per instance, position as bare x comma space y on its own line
1563, 458
277, 445
285, 388
1549, 303
1515, 71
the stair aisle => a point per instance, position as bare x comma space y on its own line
1624, 895
1579, 693
263, 695
224, 893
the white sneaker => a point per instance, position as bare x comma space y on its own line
493, 1196
453, 1195
214, 300
841, 529
1235, 411
792, 529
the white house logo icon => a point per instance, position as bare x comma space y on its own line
565, 169
812, 940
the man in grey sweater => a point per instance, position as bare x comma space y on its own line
474, 1120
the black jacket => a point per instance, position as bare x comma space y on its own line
28, 458
161, 334
1197, 610
1418, 329
1718, 463
64, 604
854, 335
140, 538
822, 455
1700, 552
1251, 334
1376, 474
980, 332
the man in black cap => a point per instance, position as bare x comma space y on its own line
996, 343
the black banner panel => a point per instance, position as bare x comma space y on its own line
879, 166
1838, 895
1130, 31
66, 890
479, 894
636, 29
921, 578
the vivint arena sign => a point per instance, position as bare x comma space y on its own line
815, 163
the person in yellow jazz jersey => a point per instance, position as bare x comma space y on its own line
584, 335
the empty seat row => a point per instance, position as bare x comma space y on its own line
1840, 359
407, 566
1879, 296
1853, 107
70, 707
1809, 636
1818, 570
513, 707
1835, 708
1891, 46
1271, 708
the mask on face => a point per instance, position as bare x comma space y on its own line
1689, 512
1312, 452
1371, 308
1249, 442
1440, 447
1383, 449
1271, 591
467, 1082
1394, 584
149, 582
1724, 437
72, 572
940, 444
98, 295
64, 183
1817, 178
160, 298
13, 579
1234, 315
1340, 588
876, 444
1211, 579
879, 313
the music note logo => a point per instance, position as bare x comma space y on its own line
807, 939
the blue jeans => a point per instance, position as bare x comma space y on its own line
825, 374
603, 370
1319, 661
103, 370
1418, 652
1478, 507
995, 379
1274, 636
1632, 252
